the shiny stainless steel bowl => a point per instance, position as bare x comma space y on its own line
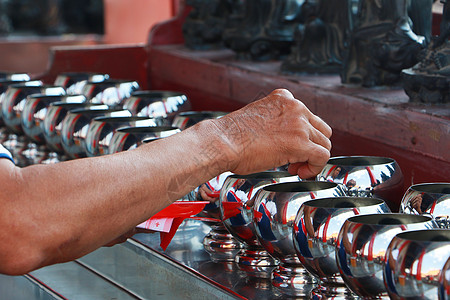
13, 76
361, 248
316, 228
128, 138
414, 263
367, 176
33, 115
274, 211
54, 116
75, 126
111, 92
429, 199
444, 282
219, 243
157, 104
236, 205
32, 120
187, 119
14, 100
102, 129
4, 84
74, 82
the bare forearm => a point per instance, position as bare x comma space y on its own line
75, 207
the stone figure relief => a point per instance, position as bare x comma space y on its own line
320, 37
382, 42
264, 29
429, 80
204, 26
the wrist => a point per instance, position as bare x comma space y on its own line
218, 147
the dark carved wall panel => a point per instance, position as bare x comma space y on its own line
263, 29
382, 43
320, 40
429, 80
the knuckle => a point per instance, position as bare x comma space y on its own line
283, 93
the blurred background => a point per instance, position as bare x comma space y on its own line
28, 28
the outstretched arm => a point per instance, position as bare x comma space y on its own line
57, 213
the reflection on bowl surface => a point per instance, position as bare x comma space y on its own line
132, 137
75, 126
430, 199
54, 116
110, 92
317, 225
275, 209
74, 82
367, 176
33, 115
13, 102
362, 244
102, 129
414, 263
157, 104
237, 199
187, 119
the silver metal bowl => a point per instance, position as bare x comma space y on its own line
4, 84
274, 211
75, 126
54, 116
111, 92
414, 263
361, 248
14, 100
219, 243
187, 119
14, 76
444, 282
429, 199
367, 176
32, 119
33, 115
102, 129
128, 138
157, 104
316, 228
236, 205
74, 82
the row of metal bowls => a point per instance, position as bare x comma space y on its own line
338, 229
86, 114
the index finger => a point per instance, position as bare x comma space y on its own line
315, 163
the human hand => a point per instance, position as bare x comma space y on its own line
275, 131
416, 203
205, 194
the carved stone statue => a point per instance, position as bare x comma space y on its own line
5, 22
51, 17
382, 42
37, 16
320, 39
429, 80
265, 30
203, 27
